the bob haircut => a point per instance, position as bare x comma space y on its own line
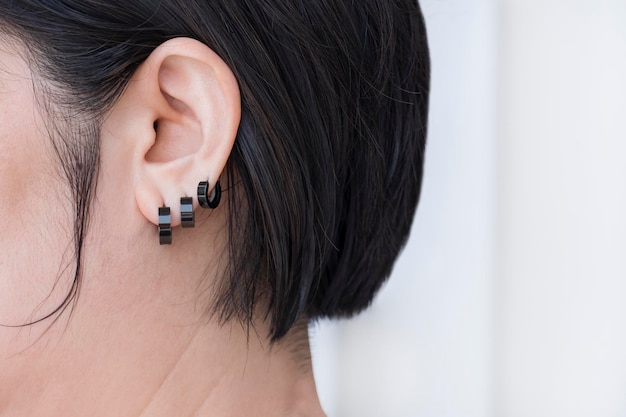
326, 170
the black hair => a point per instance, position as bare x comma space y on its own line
327, 165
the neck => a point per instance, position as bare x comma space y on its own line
140, 345
138, 341
162, 369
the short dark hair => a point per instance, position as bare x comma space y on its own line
330, 149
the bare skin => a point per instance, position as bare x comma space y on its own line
139, 341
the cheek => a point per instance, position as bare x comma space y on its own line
18, 154
36, 215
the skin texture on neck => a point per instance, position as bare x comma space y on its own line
129, 364
139, 339
139, 343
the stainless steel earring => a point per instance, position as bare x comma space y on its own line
165, 226
187, 216
204, 199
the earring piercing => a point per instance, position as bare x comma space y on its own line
204, 199
165, 226
187, 216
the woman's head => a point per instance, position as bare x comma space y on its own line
314, 120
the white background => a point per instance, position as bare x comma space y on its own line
510, 297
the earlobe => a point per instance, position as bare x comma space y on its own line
181, 112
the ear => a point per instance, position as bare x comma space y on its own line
180, 114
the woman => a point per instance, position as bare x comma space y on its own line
286, 138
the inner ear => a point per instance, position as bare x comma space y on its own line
174, 140
179, 129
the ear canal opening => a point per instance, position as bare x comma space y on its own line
174, 140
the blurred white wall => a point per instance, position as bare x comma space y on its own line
510, 298
425, 347
561, 272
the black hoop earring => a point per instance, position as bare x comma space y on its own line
187, 216
216, 195
165, 226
